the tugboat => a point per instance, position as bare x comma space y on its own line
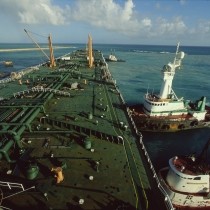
113, 58
165, 111
186, 181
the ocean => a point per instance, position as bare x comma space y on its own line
141, 73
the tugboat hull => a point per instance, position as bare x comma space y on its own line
183, 201
166, 123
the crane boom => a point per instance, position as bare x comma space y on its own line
51, 58
36, 44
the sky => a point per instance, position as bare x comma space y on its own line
159, 22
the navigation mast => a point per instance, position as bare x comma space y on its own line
168, 75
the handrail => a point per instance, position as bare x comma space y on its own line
11, 185
41, 89
167, 200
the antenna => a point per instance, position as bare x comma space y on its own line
177, 50
147, 88
178, 57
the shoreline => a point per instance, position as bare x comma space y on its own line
31, 49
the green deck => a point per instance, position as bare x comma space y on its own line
44, 119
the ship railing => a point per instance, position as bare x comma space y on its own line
80, 129
167, 200
22, 72
3, 207
41, 89
11, 185
5, 80
59, 92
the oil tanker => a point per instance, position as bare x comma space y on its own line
68, 141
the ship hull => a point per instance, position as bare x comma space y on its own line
110, 60
171, 123
183, 201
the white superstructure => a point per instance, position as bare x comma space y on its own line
186, 183
166, 91
112, 57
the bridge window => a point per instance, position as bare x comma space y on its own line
197, 178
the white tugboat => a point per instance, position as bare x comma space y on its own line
186, 181
113, 58
165, 111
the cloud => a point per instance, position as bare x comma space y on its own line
34, 12
117, 17
175, 26
106, 14
146, 22
204, 27
49, 14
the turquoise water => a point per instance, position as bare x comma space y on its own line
141, 73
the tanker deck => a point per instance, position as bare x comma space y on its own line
67, 141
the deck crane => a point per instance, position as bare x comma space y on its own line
90, 51
51, 58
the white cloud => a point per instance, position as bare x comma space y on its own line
34, 12
163, 26
147, 22
109, 15
106, 14
204, 27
